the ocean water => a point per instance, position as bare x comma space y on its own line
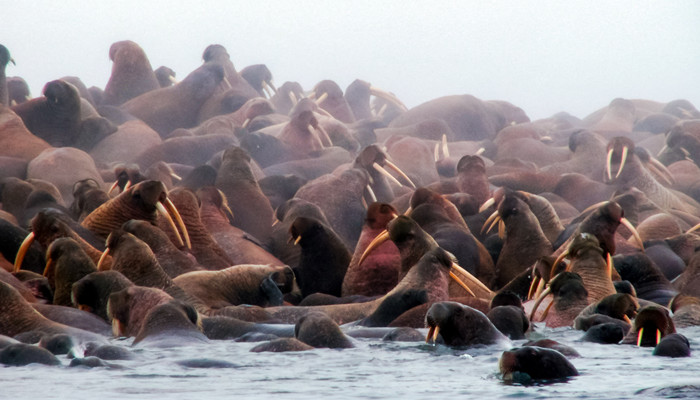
372, 370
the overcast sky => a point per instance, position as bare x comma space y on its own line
544, 56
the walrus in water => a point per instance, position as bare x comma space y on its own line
460, 325
171, 324
529, 363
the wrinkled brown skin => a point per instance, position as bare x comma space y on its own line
17, 316
235, 285
414, 157
688, 283
319, 330
251, 209
70, 264
238, 246
166, 109
588, 260
173, 261
205, 249
16, 140
54, 117
525, 242
124, 145
132, 74
130, 306
11, 280
133, 258
570, 299
139, 202
92, 292
340, 199
379, 272
73, 317
466, 115
634, 174
471, 178
63, 167
335, 103
301, 141
429, 274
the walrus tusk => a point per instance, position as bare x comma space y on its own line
639, 336
538, 302
608, 265
275, 222
488, 203
627, 319
534, 284
386, 173
117, 328
432, 334
127, 186
228, 84
49, 263
466, 275
501, 229
382, 109
321, 98
608, 165
376, 92
297, 240
660, 170
292, 98
593, 207
624, 221
22, 251
161, 208
436, 152
396, 169
172, 79
663, 149
658, 336
269, 86
173, 210
324, 136
376, 242
111, 188
481, 151
445, 149
491, 222
546, 310
625, 150
103, 257
245, 123
371, 193
556, 262
408, 211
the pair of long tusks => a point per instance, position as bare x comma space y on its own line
641, 332
167, 209
269, 88
224, 203
396, 169
432, 335
376, 92
488, 203
445, 149
536, 286
608, 166
544, 294
494, 219
461, 276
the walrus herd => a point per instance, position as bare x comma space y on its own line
222, 207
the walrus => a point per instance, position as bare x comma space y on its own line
132, 74
461, 325
529, 363
128, 308
21, 354
318, 330
171, 324
261, 285
66, 263
91, 293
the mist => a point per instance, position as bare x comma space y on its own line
543, 56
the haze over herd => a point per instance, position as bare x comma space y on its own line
181, 207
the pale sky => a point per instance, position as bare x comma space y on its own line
543, 56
